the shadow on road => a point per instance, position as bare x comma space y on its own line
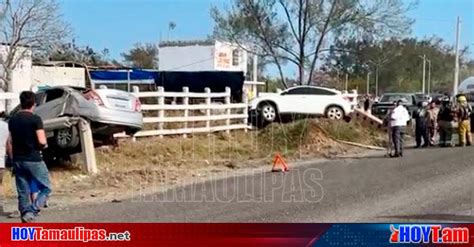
432, 217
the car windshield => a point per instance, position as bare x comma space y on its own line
394, 97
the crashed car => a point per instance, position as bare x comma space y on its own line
108, 111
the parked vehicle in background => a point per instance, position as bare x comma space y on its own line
380, 108
436, 97
300, 100
109, 111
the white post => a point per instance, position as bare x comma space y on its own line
161, 113
208, 109
347, 82
456, 64
429, 76
136, 90
245, 99
228, 111
87, 145
368, 83
376, 81
128, 80
255, 68
424, 75
186, 111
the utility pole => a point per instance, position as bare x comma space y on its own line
423, 83
377, 65
368, 83
255, 68
429, 76
347, 82
456, 66
377, 80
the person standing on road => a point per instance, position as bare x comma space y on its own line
399, 119
420, 125
464, 126
386, 122
445, 123
27, 139
432, 122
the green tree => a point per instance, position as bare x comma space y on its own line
397, 62
144, 56
295, 31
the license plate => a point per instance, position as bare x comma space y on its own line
120, 106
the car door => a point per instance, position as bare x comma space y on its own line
51, 104
319, 99
293, 101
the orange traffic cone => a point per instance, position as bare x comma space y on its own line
279, 160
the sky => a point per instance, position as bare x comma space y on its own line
119, 24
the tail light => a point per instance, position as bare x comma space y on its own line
93, 96
138, 105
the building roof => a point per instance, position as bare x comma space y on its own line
60, 64
181, 43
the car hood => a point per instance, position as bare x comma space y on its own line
383, 104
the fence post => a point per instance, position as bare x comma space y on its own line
228, 111
161, 113
208, 107
245, 99
87, 145
136, 91
186, 111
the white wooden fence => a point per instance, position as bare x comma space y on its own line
223, 116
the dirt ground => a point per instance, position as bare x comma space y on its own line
159, 163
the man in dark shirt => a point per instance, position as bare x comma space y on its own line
27, 139
445, 123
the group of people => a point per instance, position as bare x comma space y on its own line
22, 141
431, 121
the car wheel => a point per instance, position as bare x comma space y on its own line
67, 138
268, 112
256, 120
335, 113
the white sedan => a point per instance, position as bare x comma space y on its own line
300, 100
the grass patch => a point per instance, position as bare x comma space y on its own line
173, 157
354, 132
294, 140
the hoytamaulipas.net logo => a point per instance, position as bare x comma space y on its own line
429, 234
73, 234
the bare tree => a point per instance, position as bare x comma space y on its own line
294, 31
28, 26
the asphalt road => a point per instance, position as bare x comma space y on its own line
425, 185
